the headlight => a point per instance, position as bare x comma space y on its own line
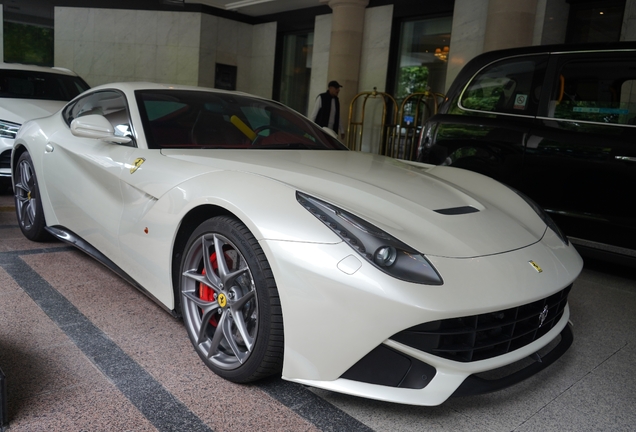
382, 250
8, 129
544, 216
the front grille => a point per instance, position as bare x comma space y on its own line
5, 159
484, 336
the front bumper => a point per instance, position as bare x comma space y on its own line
338, 309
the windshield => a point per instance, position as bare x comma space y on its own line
201, 119
21, 84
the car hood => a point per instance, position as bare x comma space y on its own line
21, 110
437, 210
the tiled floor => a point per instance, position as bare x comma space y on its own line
84, 351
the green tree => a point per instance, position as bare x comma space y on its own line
28, 44
411, 79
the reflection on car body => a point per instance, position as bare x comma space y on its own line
556, 122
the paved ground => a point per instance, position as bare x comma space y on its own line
84, 351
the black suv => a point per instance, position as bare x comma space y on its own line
557, 123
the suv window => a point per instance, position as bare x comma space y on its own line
22, 84
601, 91
510, 86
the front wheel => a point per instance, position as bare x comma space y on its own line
230, 302
28, 204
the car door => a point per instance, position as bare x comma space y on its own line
83, 174
580, 160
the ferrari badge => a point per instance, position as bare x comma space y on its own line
536, 266
136, 164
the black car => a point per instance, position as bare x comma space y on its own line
557, 123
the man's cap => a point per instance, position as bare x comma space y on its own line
334, 84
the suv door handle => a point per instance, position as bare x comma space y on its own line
626, 158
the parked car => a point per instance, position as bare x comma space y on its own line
28, 92
558, 123
287, 254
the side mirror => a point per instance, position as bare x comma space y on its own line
97, 127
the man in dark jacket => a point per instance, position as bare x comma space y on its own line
326, 110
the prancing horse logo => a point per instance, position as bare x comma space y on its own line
136, 164
536, 266
543, 315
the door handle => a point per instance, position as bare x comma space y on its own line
625, 158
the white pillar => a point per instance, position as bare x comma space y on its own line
347, 25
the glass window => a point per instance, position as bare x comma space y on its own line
595, 21
296, 71
199, 119
596, 91
22, 84
26, 43
510, 86
424, 50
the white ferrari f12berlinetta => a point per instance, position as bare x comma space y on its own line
285, 253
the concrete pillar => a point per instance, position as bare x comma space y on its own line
628, 32
510, 24
347, 24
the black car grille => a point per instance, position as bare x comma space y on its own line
484, 336
5, 159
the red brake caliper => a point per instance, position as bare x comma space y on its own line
205, 292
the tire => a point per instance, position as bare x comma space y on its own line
28, 203
233, 318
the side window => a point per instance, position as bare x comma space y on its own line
110, 104
509, 86
596, 91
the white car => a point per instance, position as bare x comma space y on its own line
287, 254
28, 92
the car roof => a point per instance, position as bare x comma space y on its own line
131, 87
555, 49
34, 68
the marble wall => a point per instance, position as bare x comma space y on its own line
107, 45
628, 32
374, 59
551, 22
320, 59
467, 35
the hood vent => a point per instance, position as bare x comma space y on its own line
457, 210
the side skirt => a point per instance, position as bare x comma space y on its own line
70, 237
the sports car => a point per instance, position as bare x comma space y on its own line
285, 253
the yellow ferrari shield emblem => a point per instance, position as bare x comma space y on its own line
222, 300
136, 164
536, 266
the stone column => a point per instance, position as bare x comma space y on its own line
510, 24
347, 24
628, 32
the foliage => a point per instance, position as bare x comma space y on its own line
412, 79
28, 44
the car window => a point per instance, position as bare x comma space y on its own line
110, 104
509, 86
22, 84
202, 119
596, 91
